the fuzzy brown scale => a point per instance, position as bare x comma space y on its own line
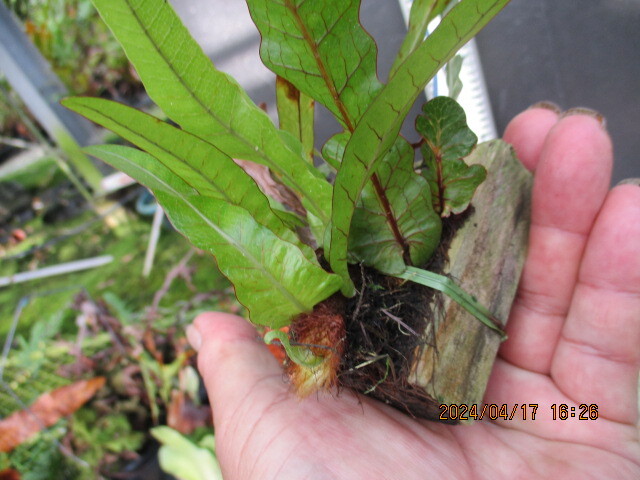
323, 332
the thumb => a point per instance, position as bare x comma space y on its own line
235, 364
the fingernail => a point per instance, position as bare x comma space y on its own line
588, 112
630, 181
547, 105
194, 338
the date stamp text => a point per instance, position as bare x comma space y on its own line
518, 411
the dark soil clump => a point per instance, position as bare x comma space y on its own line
386, 323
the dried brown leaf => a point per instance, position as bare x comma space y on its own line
9, 474
46, 411
185, 416
269, 186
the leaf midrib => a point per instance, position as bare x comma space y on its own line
321, 66
246, 253
228, 128
383, 200
172, 154
340, 230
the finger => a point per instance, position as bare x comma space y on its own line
528, 131
570, 184
235, 364
541, 416
597, 358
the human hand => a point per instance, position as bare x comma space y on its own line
574, 337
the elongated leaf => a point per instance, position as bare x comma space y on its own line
205, 168
448, 139
295, 113
272, 277
181, 79
457, 294
142, 167
413, 233
421, 14
202, 166
377, 130
300, 42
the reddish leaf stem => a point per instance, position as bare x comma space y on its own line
391, 219
348, 121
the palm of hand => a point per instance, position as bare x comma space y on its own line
574, 335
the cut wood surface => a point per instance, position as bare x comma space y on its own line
486, 258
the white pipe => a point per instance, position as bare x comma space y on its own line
158, 216
56, 270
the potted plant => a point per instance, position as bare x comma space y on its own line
338, 262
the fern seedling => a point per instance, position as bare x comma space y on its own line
292, 259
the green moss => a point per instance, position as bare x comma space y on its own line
122, 278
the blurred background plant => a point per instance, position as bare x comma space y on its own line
109, 326
107, 323
92, 361
79, 46
14, 132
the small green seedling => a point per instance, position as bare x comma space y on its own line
380, 211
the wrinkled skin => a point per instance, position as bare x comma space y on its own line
574, 336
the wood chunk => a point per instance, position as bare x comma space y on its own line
486, 258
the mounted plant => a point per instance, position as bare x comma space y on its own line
329, 261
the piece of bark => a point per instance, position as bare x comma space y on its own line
486, 258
